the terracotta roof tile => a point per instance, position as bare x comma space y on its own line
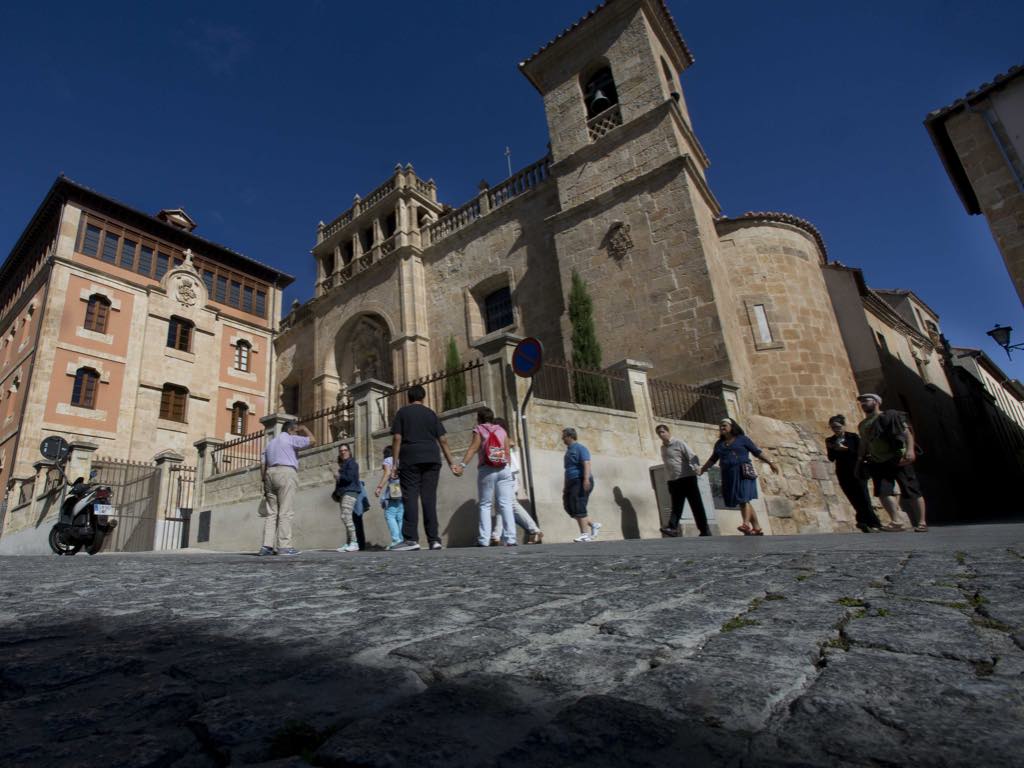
784, 218
982, 90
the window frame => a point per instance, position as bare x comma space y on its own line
506, 290
97, 313
174, 400
239, 418
86, 388
180, 331
243, 360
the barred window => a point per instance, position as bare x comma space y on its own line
242, 352
239, 416
179, 334
97, 311
173, 403
84, 393
498, 309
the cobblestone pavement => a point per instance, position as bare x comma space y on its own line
886, 649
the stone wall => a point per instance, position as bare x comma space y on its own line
1000, 196
802, 372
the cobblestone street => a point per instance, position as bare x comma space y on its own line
888, 649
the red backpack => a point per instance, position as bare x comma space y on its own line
495, 454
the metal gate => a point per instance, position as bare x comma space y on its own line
177, 515
134, 489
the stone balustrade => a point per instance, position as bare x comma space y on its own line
403, 178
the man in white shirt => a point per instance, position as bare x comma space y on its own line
681, 471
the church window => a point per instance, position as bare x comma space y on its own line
179, 334
97, 312
882, 343
239, 416
498, 309
764, 331
599, 92
670, 80
173, 403
242, 351
83, 395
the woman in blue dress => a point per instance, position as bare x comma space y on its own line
739, 484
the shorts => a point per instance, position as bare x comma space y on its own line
887, 475
574, 498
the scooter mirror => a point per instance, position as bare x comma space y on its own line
93, 473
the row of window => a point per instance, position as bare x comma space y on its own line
115, 245
179, 330
173, 400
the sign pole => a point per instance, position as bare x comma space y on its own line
526, 454
527, 360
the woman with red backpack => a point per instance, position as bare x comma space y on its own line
494, 479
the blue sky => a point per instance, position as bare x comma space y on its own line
262, 118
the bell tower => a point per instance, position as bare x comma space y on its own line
636, 217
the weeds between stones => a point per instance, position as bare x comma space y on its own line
738, 622
839, 642
803, 576
883, 612
851, 602
989, 623
977, 600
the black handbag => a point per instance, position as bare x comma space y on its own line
747, 471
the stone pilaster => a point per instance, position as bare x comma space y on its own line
729, 391
370, 416
502, 389
204, 467
274, 422
636, 378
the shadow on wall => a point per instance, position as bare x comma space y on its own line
630, 521
463, 526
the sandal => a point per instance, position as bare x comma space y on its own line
922, 528
744, 529
756, 532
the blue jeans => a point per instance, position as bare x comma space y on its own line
393, 514
493, 482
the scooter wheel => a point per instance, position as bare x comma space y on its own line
97, 543
58, 545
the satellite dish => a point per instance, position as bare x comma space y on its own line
54, 448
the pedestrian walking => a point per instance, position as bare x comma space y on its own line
418, 439
739, 479
494, 479
579, 484
681, 465
347, 490
390, 494
886, 455
279, 470
534, 535
843, 449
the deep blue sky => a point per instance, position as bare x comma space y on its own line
262, 118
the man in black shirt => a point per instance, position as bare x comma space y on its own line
417, 434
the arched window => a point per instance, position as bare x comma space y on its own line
179, 334
173, 403
498, 309
97, 311
599, 92
243, 351
670, 80
239, 417
86, 383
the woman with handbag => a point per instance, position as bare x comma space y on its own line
739, 479
347, 489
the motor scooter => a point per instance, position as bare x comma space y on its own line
87, 512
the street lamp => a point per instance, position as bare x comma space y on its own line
1001, 335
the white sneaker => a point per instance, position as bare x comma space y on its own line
352, 546
584, 537
594, 528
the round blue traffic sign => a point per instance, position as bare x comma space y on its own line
528, 357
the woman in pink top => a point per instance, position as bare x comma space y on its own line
493, 477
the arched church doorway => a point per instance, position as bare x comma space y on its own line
363, 351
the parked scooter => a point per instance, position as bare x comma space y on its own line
86, 512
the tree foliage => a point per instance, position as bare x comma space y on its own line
455, 383
589, 389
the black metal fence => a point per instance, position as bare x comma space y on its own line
239, 453
174, 533
329, 425
446, 390
134, 488
566, 383
685, 402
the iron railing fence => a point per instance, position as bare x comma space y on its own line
134, 490
685, 402
240, 453
446, 390
329, 425
566, 383
177, 518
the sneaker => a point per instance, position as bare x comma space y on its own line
393, 545
352, 546
405, 546
669, 531
288, 551
436, 545
594, 528
265, 552
511, 544
584, 537
494, 543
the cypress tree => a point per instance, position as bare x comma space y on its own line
454, 385
586, 350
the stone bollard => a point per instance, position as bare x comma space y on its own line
166, 462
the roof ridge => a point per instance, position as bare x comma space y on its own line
783, 218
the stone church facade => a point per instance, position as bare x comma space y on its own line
623, 199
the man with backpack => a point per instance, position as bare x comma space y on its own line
887, 455
494, 478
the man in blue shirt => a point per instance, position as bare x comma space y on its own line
579, 482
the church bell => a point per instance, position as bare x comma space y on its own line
599, 102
